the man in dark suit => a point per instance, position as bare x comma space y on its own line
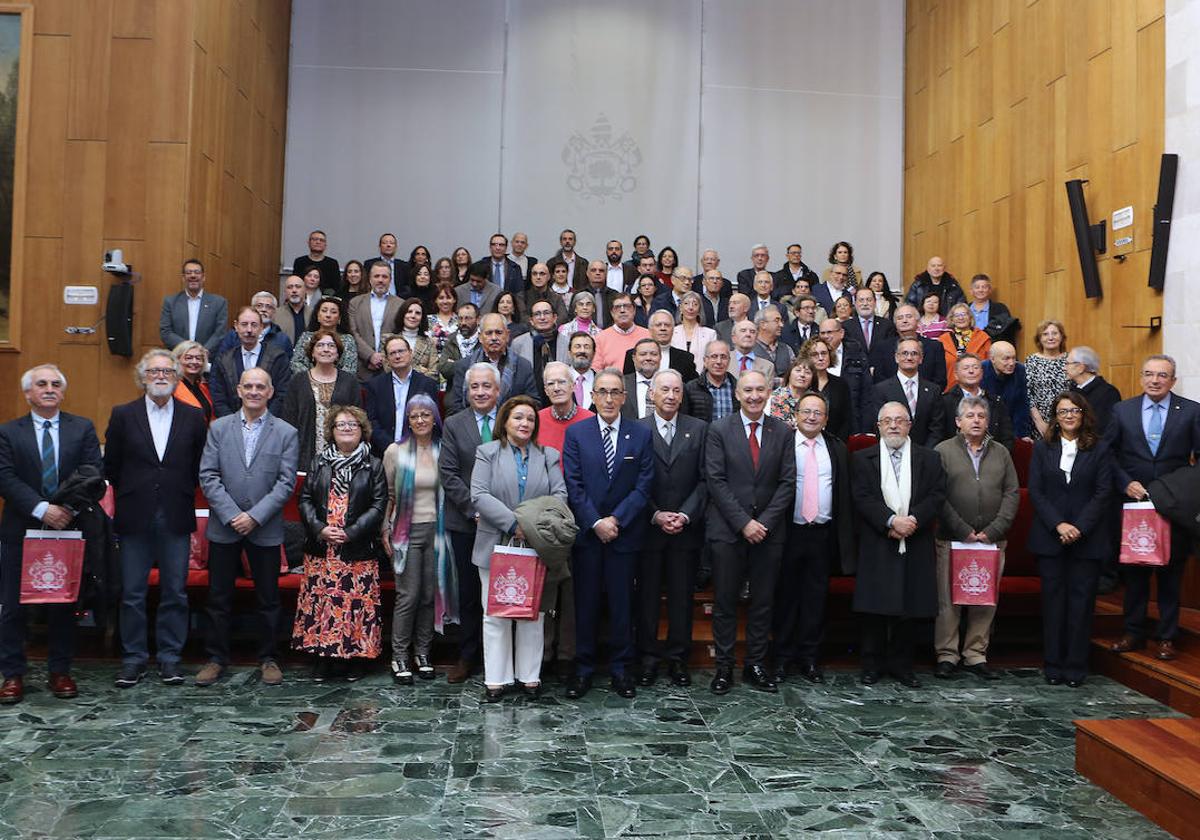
392, 390
897, 501
639, 389
397, 266
227, 368
609, 469
576, 265
525, 262
670, 299
39, 452
804, 326
794, 269
1151, 435
968, 369
760, 256
761, 295
923, 399
838, 286
478, 289
866, 327
502, 272
714, 297
672, 544
882, 357
462, 434
1083, 369
152, 459
661, 327
516, 373
751, 485
193, 313
619, 276
821, 527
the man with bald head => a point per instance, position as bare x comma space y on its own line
738, 309
525, 262
1005, 377
935, 278
882, 357
714, 296
595, 283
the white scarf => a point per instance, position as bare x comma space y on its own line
896, 495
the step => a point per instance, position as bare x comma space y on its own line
1175, 683
1150, 765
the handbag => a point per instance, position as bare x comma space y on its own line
974, 574
515, 581
51, 567
1145, 535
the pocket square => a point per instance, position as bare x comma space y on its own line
627, 458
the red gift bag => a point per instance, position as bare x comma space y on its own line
974, 574
198, 555
51, 567
1145, 535
515, 583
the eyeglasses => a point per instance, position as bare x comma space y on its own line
1068, 412
908, 354
894, 421
160, 371
810, 412
605, 393
192, 272
347, 425
325, 345
418, 415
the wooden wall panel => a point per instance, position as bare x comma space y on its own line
1021, 96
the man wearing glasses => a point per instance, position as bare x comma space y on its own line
922, 399
193, 313
614, 342
155, 489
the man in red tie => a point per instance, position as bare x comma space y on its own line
821, 528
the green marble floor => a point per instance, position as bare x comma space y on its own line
953, 759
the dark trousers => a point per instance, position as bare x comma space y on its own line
732, 564
470, 595
1170, 577
158, 546
1068, 602
887, 644
598, 570
558, 630
60, 620
798, 624
223, 562
673, 563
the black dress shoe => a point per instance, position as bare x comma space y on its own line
944, 669
1053, 680
779, 673
622, 686
577, 687
981, 670
909, 679
813, 673
648, 676
722, 681
1075, 683
869, 677
493, 695
678, 674
759, 677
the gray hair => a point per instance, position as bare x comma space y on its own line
264, 294
666, 372
186, 346
609, 371
483, 367
758, 245
139, 372
546, 370
761, 315
970, 401
1087, 357
699, 302
1157, 357
889, 404
27, 376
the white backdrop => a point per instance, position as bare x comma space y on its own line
703, 123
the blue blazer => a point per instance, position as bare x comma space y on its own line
1133, 461
381, 405
590, 492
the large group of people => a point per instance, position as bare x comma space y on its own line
644, 427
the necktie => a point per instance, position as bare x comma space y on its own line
646, 404
599, 316
745, 363
1152, 440
809, 501
485, 429
911, 387
579, 391
49, 467
497, 277
669, 433
896, 464
610, 454
754, 444
866, 325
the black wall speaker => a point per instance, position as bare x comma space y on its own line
1089, 239
118, 319
1163, 208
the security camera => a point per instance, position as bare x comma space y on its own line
114, 262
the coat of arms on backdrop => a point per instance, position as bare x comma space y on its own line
599, 165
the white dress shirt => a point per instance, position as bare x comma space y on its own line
400, 394
616, 277
193, 305
160, 423
250, 357
378, 307
643, 388
825, 476
746, 421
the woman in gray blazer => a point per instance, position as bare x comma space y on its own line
509, 470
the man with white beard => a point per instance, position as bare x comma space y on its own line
155, 489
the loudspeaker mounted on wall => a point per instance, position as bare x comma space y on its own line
1163, 209
1089, 239
118, 319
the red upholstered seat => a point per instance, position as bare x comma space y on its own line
858, 442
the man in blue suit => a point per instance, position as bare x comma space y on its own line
1151, 435
609, 470
391, 390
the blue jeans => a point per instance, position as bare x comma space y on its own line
139, 554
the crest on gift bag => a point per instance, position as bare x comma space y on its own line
510, 588
974, 579
600, 166
47, 573
1141, 539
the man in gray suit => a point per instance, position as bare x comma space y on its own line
478, 289
248, 472
193, 313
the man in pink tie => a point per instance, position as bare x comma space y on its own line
821, 528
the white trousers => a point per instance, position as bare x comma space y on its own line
506, 658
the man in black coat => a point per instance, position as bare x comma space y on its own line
671, 547
1149, 436
152, 455
712, 394
392, 389
883, 354
899, 487
34, 461
661, 327
1083, 369
499, 269
866, 327
968, 370
821, 527
227, 368
751, 478
923, 399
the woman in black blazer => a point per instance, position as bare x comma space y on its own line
835, 391
1070, 486
305, 405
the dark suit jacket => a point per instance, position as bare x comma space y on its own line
754, 307
881, 330
227, 371
401, 280
1102, 396
631, 410
737, 492
841, 422
929, 424
856, 374
999, 421
593, 495
521, 382
845, 522
666, 300
721, 313
890, 583
824, 296
381, 405
785, 282
456, 462
530, 262
578, 276
21, 467
678, 482
1083, 502
791, 334
680, 361
1127, 442
882, 359
513, 281
745, 280
141, 482
1002, 326
210, 323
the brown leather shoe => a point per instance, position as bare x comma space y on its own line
1166, 650
459, 672
62, 686
12, 691
1127, 643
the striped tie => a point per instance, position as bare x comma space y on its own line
610, 454
49, 467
